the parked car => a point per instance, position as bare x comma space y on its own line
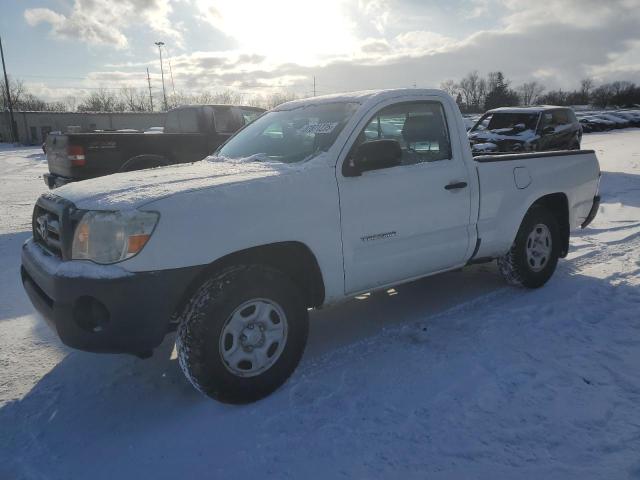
631, 117
617, 122
190, 133
312, 203
530, 129
606, 123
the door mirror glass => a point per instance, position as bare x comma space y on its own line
519, 127
548, 130
373, 155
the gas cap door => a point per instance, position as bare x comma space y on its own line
521, 177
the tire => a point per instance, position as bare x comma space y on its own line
530, 264
575, 144
242, 334
143, 162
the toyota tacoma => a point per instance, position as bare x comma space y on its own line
314, 202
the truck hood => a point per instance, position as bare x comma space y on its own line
123, 191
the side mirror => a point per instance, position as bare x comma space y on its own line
520, 127
373, 155
548, 130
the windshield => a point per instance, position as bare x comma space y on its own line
290, 136
498, 121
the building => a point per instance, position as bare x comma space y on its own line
33, 127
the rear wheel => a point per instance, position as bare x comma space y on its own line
243, 334
534, 254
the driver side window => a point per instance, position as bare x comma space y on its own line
419, 127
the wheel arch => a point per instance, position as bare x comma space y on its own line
558, 205
293, 258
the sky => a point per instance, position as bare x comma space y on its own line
65, 48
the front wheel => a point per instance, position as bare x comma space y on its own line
242, 334
534, 254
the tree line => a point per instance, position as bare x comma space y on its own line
131, 99
476, 94
473, 93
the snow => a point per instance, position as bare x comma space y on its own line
129, 190
79, 268
455, 376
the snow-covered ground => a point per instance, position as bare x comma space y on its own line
456, 376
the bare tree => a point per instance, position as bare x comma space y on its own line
135, 99
17, 91
483, 91
493, 79
469, 87
530, 92
224, 97
450, 87
586, 85
102, 100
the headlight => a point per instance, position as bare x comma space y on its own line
110, 237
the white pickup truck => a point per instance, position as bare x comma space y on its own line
312, 203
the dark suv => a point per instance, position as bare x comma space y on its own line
510, 129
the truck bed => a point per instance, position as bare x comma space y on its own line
107, 152
528, 176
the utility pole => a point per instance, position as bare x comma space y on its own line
173, 85
14, 133
314, 85
150, 96
164, 93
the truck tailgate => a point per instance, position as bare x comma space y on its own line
57, 159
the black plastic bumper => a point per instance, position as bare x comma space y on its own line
127, 314
54, 181
593, 212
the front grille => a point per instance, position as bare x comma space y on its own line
51, 224
46, 230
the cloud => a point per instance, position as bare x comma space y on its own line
361, 44
105, 22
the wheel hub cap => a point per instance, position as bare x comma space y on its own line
539, 247
253, 337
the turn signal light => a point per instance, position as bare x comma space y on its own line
136, 242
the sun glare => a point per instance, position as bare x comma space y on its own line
287, 30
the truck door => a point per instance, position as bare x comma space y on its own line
408, 220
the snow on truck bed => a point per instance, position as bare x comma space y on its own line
456, 376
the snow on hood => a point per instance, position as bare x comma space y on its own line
123, 191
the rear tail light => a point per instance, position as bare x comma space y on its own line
75, 154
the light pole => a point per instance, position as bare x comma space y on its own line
14, 133
164, 93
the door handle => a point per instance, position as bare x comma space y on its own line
455, 186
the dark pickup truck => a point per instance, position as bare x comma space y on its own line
190, 134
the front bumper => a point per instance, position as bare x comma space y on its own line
54, 181
95, 310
